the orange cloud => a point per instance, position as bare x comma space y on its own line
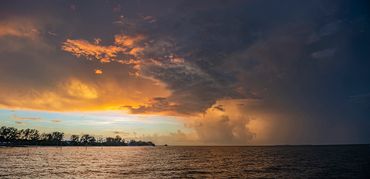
66, 86
130, 50
84, 48
78, 89
126, 49
18, 28
127, 41
98, 71
78, 95
135, 51
229, 126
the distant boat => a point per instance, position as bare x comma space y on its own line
165, 145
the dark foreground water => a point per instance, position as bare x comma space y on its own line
167, 162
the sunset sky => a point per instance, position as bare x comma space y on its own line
189, 72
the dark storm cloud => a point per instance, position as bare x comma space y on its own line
244, 49
301, 58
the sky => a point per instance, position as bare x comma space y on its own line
188, 72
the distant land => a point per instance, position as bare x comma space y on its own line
10, 136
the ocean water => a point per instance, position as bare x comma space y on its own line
349, 161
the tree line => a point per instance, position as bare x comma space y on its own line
10, 136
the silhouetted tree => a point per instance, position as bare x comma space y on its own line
2, 133
9, 134
100, 140
33, 135
75, 139
46, 139
23, 134
117, 141
57, 137
109, 141
13, 136
140, 143
87, 139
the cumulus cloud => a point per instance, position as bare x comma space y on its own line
173, 138
229, 126
223, 130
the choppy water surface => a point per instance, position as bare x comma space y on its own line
198, 162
